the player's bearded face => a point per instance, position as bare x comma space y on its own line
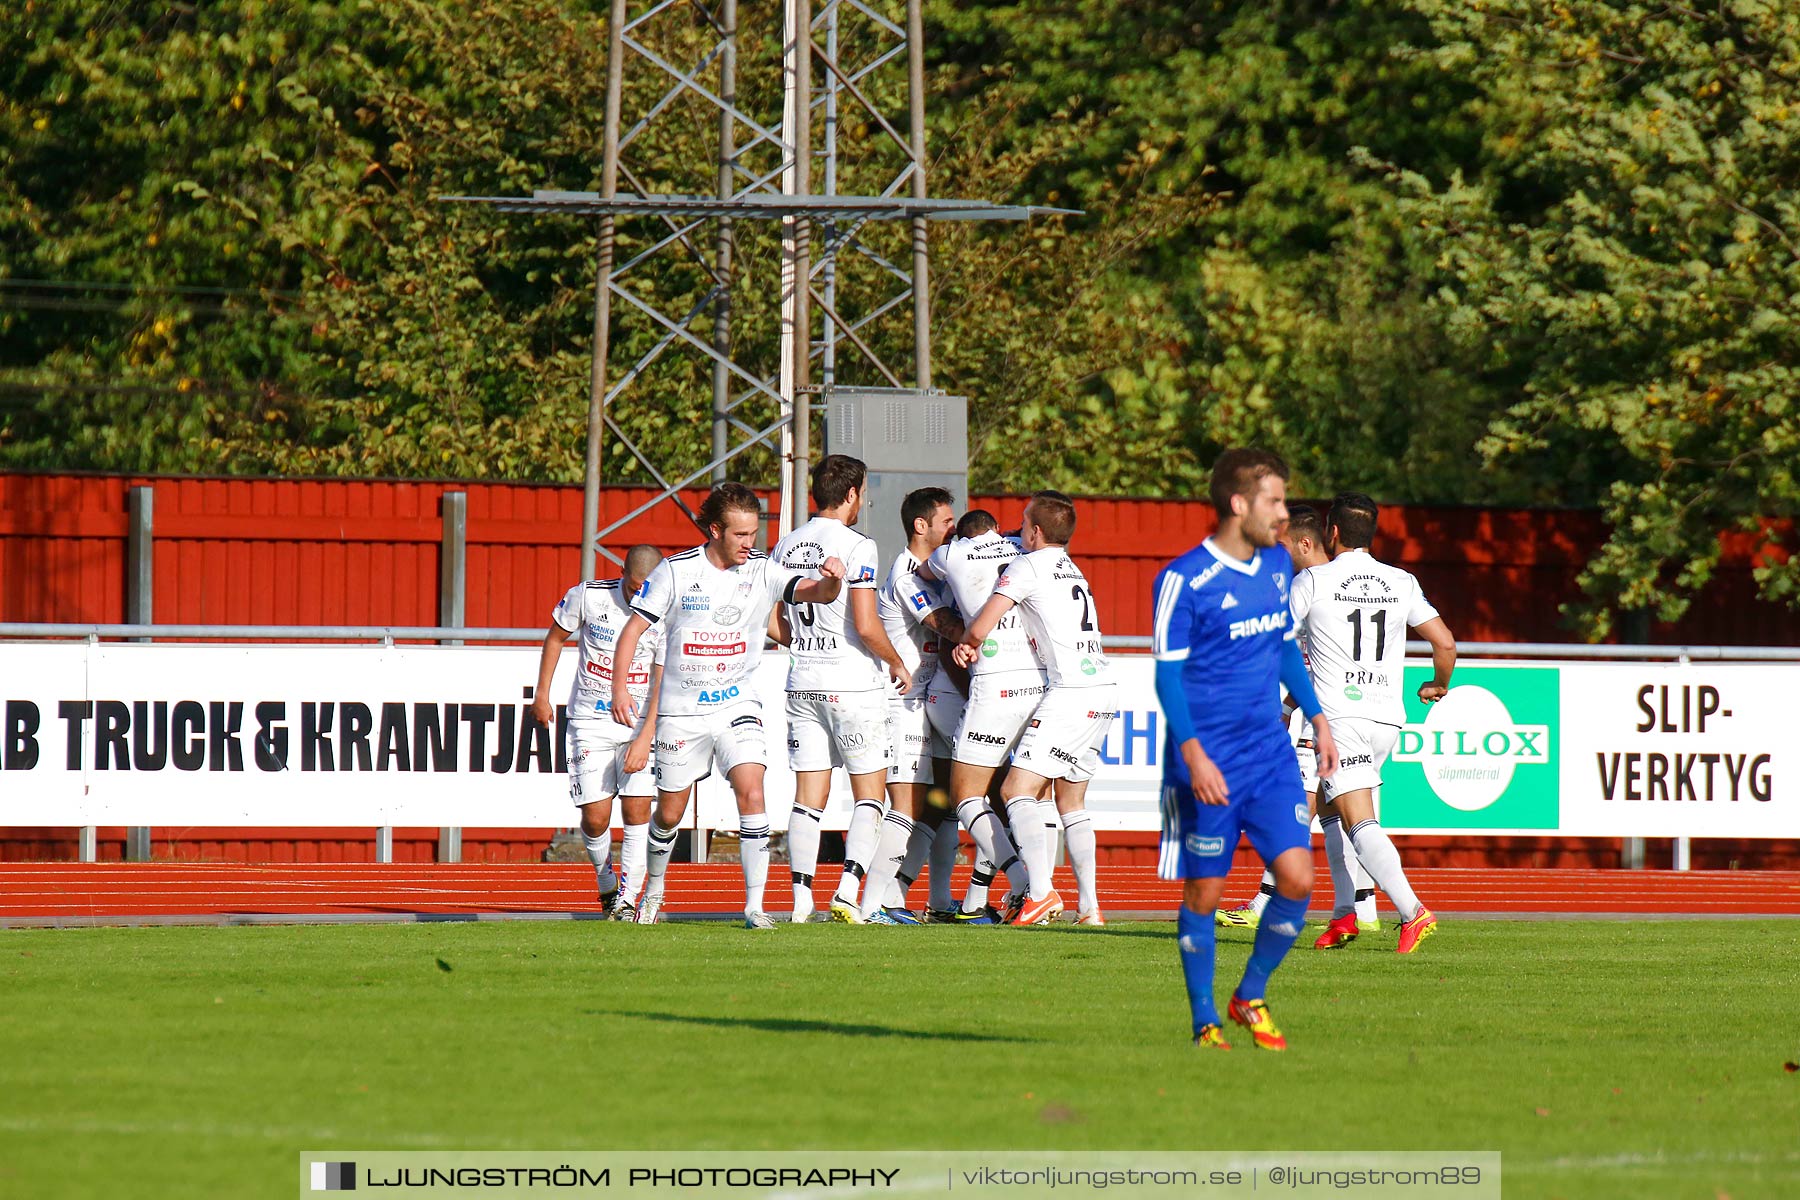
943, 520
1267, 512
737, 536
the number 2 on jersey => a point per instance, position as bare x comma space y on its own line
1086, 601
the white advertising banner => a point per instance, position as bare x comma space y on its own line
270, 736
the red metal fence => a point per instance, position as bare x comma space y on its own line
341, 552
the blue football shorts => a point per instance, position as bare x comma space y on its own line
1268, 803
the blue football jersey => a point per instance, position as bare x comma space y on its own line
1225, 621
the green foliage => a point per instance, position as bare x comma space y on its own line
1504, 251
1629, 265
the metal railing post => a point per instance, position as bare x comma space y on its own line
384, 844
453, 564
140, 609
140, 558
87, 847
449, 844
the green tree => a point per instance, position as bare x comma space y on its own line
1630, 264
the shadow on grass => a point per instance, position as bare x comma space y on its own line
801, 1025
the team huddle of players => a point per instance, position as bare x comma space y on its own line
974, 664
972, 667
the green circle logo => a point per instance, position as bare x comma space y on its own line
1353, 692
990, 648
1088, 667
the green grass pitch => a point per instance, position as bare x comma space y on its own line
1602, 1059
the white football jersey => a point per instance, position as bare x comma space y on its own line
1353, 613
827, 652
598, 612
713, 624
972, 566
904, 602
1061, 621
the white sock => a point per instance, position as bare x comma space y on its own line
1029, 835
1365, 891
1264, 891
859, 847
599, 852
631, 861
890, 852
753, 849
944, 845
991, 841
656, 860
1053, 832
976, 897
1343, 881
917, 847
1079, 830
803, 856
1382, 861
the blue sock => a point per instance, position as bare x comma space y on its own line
1194, 937
1281, 923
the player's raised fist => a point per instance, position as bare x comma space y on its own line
832, 568
1431, 693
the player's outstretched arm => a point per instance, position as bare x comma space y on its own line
825, 588
866, 618
1298, 681
1325, 746
541, 708
954, 671
946, 623
983, 624
1443, 659
624, 709
637, 754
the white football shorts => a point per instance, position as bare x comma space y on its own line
597, 762
1305, 753
839, 729
995, 718
916, 740
1063, 737
944, 705
688, 747
1363, 747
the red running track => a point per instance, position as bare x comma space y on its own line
119, 894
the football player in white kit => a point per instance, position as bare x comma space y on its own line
917, 619
1353, 613
1005, 685
1061, 742
607, 759
712, 604
837, 691
1353, 890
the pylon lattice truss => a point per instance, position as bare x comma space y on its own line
695, 218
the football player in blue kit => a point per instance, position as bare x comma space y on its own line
1224, 642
